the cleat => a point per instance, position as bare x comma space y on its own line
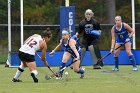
82, 75
101, 64
97, 67
34, 78
115, 69
58, 78
135, 69
16, 80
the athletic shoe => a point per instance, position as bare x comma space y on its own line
34, 78
135, 69
16, 80
115, 69
97, 67
82, 75
100, 63
58, 78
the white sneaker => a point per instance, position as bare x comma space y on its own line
82, 75
58, 78
135, 69
83, 68
115, 69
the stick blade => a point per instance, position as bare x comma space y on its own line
47, 77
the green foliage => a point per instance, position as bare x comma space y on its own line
3, 13
138, 1
46, 12
41, 13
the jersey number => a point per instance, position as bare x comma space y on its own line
121, 36
31, 43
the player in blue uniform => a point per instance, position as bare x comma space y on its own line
122, 34
71, 50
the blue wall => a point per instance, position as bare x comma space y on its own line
56, 58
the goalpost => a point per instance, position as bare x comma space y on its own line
8, 62
69, 22
10, 55
9, 33
133, 23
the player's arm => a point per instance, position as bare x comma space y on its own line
113, 39
77, 34
80, 29
56, 48
43, 47
130, 30
72, 44
97, 31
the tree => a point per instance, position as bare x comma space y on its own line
111, 10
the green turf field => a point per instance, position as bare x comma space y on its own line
95, 81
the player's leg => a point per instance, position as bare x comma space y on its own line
32, 67
84, 46
78, 70
97, 54
66, 57
93, 57
116, 59
18, 73
21, 68
83, 52
131, 56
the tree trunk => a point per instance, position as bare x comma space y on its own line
111, 11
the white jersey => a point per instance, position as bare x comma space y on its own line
32, 45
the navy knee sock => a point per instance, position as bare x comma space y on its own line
132, 60
116, 62
62, 66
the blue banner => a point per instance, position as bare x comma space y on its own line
67, 19
56, 59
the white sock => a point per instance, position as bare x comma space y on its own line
18, 73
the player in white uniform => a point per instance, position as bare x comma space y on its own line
27, 54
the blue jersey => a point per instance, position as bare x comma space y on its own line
121, 35
68, 49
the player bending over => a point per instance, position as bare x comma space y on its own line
71, 50
27, 53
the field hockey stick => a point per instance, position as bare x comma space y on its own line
110, 53
67, 66
51, 76
54, 73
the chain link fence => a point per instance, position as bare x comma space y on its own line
32, 29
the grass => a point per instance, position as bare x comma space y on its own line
3, 57
95, 81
